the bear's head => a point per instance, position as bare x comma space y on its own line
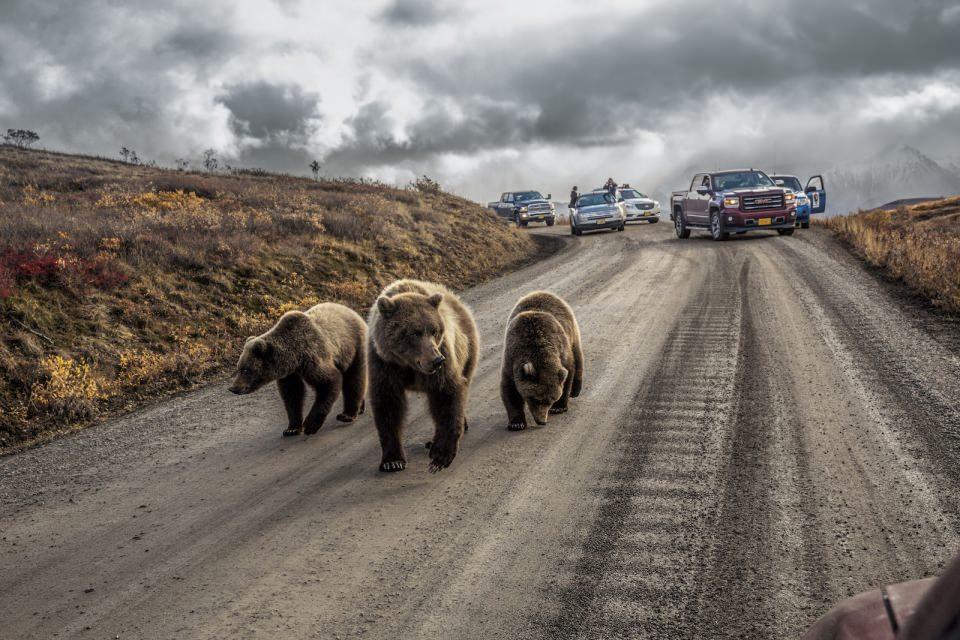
411, 331
257, 366
541, 385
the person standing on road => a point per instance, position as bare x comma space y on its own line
573, 197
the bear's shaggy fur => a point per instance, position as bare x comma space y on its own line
542, 359
322, 347
422, 338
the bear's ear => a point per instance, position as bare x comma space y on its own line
435, 299
528, 370
386, 306
262, 348
249, 338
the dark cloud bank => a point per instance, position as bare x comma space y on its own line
692, 73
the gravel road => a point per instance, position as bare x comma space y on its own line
765, 429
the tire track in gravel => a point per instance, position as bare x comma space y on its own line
765, 564
638, 573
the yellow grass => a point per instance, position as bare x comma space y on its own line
919, 245
121, 283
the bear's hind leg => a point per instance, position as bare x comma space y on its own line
560, 406
577, 372
354, 389
327, 392
292, 392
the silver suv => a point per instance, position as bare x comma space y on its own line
598, 210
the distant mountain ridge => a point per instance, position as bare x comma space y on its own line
896, 173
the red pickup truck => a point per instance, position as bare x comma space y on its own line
726, 202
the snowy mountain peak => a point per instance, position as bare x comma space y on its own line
901, 171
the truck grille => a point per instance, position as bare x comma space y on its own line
538, 207
760, 203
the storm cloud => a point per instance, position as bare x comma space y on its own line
265, 111
487, 96
416, 13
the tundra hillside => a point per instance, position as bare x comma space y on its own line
119, 283
919, 245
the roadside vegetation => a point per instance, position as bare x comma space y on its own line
918, 244
121, 282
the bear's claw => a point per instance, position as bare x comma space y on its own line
556, 410
516, 426
292, 431
392, 466
342, 417
441, 456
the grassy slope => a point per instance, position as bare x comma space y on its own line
918, 244
121, 283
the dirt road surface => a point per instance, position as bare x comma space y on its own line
765, 429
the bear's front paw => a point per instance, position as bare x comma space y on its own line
292, 431
391, 466
555, 409
519, 425
441, 455
342, 417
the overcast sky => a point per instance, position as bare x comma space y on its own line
489, 95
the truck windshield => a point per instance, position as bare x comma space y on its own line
631, 194
593, 199
741, 180
790, 182
521, 196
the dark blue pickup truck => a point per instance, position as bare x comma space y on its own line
524, 207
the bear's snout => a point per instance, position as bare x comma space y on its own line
540, 413
438, 362
238, 389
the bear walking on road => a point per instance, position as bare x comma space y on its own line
322, 347
422, 338
542, 359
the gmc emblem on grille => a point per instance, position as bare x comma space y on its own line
765, 200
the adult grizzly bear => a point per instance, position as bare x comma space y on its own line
542, 359
322, 347
422, 338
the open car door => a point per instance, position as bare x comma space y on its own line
817, 193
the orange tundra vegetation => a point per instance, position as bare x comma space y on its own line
919, 245
119, 283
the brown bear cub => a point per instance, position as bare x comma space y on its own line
323, 348
422, 338
542, 359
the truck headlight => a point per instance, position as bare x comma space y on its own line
523, 209
790, 198
733, 203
